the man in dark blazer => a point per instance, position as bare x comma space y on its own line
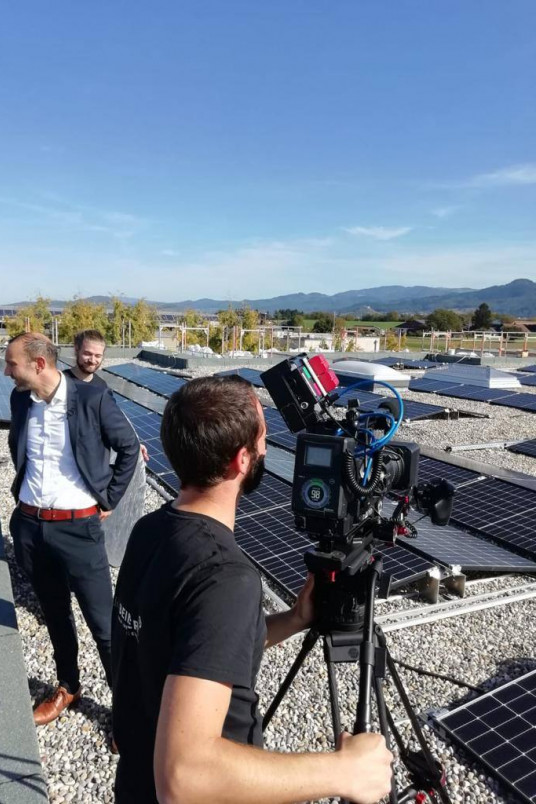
60, 438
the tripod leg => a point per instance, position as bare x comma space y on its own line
334, 700
383, 717
307, 646
431, 764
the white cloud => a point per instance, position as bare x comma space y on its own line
506, 177
444, 212
512, 176
379, 232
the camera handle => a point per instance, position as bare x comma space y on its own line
369, 648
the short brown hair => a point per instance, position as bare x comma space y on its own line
34, 345
205, 423
88, 335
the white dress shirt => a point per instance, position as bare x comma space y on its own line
52, 478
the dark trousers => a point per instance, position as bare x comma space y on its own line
60, 558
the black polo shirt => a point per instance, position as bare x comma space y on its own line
188, 602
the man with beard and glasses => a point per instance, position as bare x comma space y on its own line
189, 630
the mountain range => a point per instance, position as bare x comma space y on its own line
517, 298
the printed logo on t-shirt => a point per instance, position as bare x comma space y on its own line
131, 624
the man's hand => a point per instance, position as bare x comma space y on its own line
303, 609
144, 453
104, 515
365, 767
283, 625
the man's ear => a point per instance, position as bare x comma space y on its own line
239, 465
40, 363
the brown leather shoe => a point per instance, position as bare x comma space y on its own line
54, 706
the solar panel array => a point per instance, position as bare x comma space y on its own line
157, 381
499, 729
251, 375
520, 401
146, 423
495, 396
412, 410
6, 387
531, 369
524, 447
277, 431
451, 547
501, 510
527, 379
265, 523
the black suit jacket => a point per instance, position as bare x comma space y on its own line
96, 425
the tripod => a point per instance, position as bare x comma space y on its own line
367, 644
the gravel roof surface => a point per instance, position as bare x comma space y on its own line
483, 649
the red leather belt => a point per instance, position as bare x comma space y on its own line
57, 514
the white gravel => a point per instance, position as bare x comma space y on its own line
483, 649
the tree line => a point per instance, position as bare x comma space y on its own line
124, 323
439, 319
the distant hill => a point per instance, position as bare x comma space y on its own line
516, 298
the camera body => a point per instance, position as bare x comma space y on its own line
340, 474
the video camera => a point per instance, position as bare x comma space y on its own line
345, 467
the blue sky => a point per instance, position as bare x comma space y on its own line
178, 150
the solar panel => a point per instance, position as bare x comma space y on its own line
272, 493
273, 543
500, 510
431, 469
452, 547
403, 566
277, 431
430, 386
520, 401
524, 448
478, 393
527, 379
157, 381
146, 423
280, 462
251, 375
6, 387
499, 729
531, 369
413, 411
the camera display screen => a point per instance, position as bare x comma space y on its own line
318, 456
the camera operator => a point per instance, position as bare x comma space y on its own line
189, 630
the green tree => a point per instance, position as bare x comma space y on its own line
81, 314
250, 320
444, 320
33, 317
191, 318
482, 317
323, 323
228, 320
296, 319
116, 321
143, 320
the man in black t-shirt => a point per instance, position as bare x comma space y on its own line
89, 346
188, 632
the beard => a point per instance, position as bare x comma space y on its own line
87, 368
253, 478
